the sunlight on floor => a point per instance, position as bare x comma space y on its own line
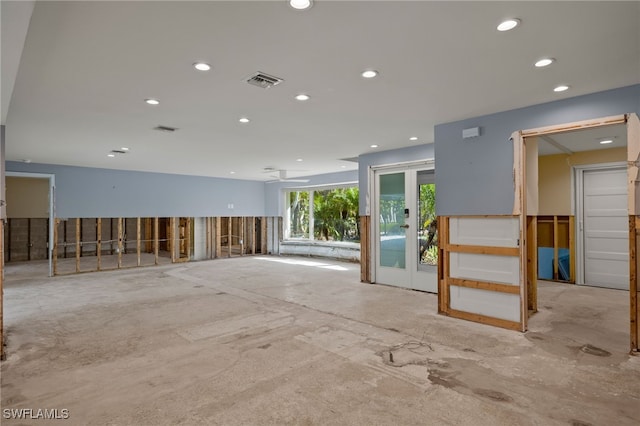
304, 263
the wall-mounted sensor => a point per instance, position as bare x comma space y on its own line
471, 132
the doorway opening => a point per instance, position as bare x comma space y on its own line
579, 184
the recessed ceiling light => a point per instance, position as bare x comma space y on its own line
124, 148
606, 141
544, 62
413, 138
302, 97
561, 88
300, 4
508, 24
343, 167
244, 120
369, 73
232, 173
111, 155
299, 159
202, 66
374, 146
26, 160
152, 101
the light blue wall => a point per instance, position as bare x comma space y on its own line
365, 161
474, 176
274, 192
89, 192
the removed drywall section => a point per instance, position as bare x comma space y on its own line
554, 188
92, 192
476, 176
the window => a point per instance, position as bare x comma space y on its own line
331, 216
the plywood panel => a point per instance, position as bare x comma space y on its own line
483, 267
488, 303
493, 232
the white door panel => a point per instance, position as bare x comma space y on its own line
605, 228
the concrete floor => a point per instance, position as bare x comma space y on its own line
280, 340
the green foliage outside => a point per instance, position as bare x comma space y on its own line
335, 214
428, 225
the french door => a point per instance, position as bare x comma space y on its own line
404, 228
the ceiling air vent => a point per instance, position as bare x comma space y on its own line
165, 128
118, 151
263, 80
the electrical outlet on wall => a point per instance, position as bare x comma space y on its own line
230, 206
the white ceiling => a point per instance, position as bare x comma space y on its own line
583, 140
86, 68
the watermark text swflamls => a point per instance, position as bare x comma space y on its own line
35, 413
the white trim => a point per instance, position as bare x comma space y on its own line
52, 206
406, 165
578, 198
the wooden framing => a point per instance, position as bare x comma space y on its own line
263, 239
365, 249
99, 242
532, 264
56, 222
446, 281
78, 244
138, 245
634, 268
147, 239
572, 249
218, 237
2, 222
229, 235
120, 247
156, 239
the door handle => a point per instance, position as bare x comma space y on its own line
405, 226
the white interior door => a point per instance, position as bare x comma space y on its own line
399, 231
605, 233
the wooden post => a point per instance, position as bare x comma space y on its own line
218, 236
555, 247
229, 235
156, 238
532, 263
263, 236
365, 253
241, 236
119, 242
56, 222
443, 265
634, 308
139, 246
187, 236
1, 289
572, 249
253, 235
170, 239
99, 242
78, 245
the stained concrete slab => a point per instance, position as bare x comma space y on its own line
285, 340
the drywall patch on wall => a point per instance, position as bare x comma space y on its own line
27, 197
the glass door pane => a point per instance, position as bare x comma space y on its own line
427, 225
392, 234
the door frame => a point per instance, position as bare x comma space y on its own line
578, 197
426, 164
632, 123
52, 207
